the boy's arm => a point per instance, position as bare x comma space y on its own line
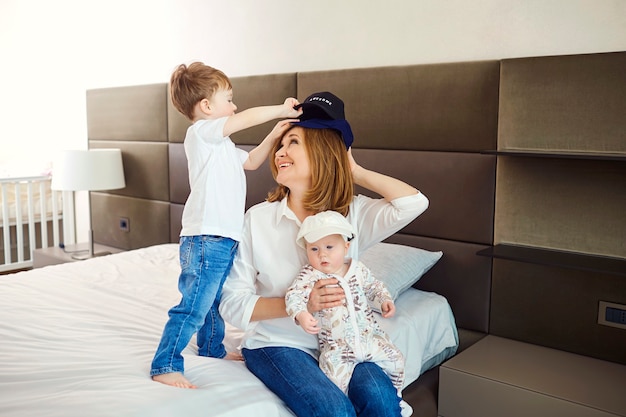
258, 115
260, 153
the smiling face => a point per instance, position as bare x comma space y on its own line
292, 161
328, 254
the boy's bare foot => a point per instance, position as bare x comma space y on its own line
233, 356
175, 379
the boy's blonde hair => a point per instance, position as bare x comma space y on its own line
332, 185
191, 84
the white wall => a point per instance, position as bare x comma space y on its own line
52, 51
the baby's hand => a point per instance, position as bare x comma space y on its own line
289, 105
388, 309
308, 322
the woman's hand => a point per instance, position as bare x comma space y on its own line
326, 293
280, 128
353, 164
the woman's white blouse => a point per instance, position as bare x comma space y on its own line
268, 260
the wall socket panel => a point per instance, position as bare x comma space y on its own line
612, 314
124, 223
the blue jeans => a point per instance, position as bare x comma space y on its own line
295, 377
205, 262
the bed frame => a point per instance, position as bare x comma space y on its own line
429, 125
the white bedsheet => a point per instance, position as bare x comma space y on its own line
77, 340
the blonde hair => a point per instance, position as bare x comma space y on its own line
332, 185
192, 84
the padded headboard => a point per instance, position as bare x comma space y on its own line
425, 124
511, 153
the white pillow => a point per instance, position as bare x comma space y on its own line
399, 266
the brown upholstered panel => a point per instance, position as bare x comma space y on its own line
461, 276
145, 168
441, 107
177, 124
575, 102
556, 307
251, 91
128, 113
148, 221
176, 214
178, 173
459, 186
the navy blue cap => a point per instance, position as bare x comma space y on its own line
325, 111
342, 126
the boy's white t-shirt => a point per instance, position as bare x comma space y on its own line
216, 203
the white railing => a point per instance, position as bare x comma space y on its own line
33, 216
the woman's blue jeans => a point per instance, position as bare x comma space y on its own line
295, 377
205, 262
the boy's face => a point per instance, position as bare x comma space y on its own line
328, 253
221, 104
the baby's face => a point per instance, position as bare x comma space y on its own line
328, 254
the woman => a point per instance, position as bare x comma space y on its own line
314, 173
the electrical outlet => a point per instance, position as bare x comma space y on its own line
124, 224
612, 314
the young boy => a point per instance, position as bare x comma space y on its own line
213, 215
348, 334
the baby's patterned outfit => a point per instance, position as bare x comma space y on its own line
349, 334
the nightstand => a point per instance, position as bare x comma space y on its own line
503, 377
55, 255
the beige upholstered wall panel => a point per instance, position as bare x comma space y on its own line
439, 107
128, 113
251, 91
148, 221
562, 204
145, 168
575, 102
556, 307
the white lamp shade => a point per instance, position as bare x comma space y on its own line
90, 170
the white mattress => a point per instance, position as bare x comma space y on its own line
77, 340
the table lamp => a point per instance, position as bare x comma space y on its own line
88, 170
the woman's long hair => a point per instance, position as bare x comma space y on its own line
332, 185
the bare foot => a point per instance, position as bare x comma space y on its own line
233, 356
175, 379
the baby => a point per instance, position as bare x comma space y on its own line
348, 334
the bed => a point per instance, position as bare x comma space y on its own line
77, 339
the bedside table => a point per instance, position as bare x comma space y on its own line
503, 377
55, 255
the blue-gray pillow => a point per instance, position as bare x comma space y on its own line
399, 266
